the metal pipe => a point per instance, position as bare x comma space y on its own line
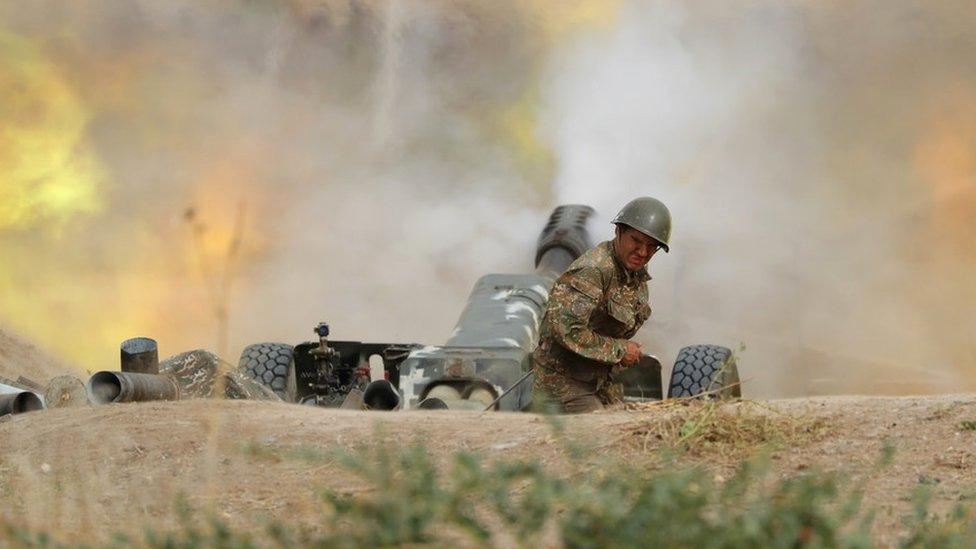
6, 389
18, 403
16, 399
140, 355
381, 395
106, 387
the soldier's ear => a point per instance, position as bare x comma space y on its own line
616, 230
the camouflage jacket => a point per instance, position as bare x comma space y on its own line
594, 308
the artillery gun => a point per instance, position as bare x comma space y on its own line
485, 363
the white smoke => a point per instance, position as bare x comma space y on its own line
364, 140
784, 240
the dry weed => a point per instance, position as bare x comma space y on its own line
721, 429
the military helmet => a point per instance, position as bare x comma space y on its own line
649, 216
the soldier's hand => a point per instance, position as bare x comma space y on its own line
632, 354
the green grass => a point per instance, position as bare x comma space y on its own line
409, 498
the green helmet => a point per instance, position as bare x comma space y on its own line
649, 216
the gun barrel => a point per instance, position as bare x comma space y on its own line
498, 328
106, 387
563, 239
505, 310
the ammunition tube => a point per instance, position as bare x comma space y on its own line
18, 403
106, 387
140, 356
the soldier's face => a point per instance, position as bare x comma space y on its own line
634, 248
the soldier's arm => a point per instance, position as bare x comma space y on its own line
575, 296
642, 312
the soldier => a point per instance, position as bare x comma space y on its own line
594, 309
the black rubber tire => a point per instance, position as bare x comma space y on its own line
269, 364
702, 369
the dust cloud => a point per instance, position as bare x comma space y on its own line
253, 168
236, 172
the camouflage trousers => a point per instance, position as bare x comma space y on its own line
572, 396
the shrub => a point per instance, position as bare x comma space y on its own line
408, 499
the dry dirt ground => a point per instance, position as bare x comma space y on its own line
19, 358
85, 473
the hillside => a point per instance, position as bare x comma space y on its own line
123, 467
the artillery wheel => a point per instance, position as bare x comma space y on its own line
703, 369
269, 364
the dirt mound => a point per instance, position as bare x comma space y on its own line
21, 358
123, 467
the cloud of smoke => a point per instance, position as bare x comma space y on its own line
817, 160
47, 176
278, 164
364, 162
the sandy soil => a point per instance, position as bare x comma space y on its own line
89, 470
21, 358
85, 473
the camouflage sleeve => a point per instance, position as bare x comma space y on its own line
642, 313
574, 298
